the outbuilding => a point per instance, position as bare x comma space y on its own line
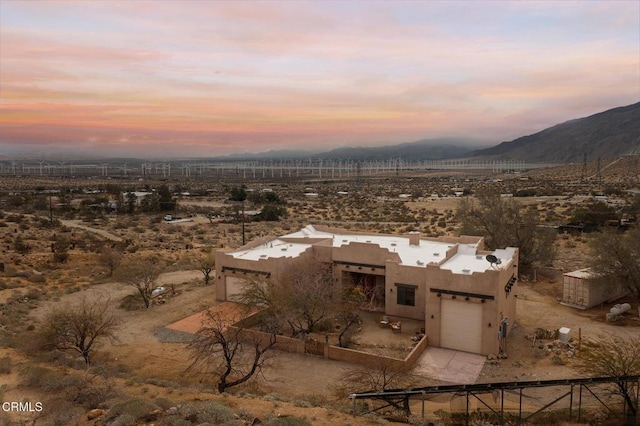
578, 291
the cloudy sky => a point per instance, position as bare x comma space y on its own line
203, 78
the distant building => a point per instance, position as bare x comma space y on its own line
464, 300
579, 292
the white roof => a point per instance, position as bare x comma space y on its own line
580, 273
466, 260
272, 249
427, 252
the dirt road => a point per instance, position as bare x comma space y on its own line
101, 232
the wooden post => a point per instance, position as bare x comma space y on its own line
579, 339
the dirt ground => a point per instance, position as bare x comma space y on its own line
153, 359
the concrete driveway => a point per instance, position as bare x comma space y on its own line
450, 366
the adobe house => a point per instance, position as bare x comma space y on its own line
466, 301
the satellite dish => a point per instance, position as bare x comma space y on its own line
491, 259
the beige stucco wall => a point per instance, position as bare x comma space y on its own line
371, 259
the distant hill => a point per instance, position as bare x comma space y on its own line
607, 134
425, 149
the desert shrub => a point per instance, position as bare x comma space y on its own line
214, 413
189, 412
37, 278
14, 218
176, 420
59, 412
135, 408
5, 365
36, 376
32, 294
164, 403
124, 420
10, 271
286, 421
315, 400
131, 303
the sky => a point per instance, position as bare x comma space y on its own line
200, 78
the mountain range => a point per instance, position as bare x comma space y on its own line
612, 133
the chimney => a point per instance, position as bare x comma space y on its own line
414, 238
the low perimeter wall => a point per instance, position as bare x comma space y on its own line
374, 361
366, 359
283, 343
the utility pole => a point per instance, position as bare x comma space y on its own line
243, 235
50, 209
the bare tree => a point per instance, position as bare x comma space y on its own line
616, 260
79, 328
610, 356
387, 374
111, 257
206, 263
505, 222
304, 295
142, 275
228, 354
348, 312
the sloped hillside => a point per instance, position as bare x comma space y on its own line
607, 134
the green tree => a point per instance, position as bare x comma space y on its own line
238, 193
20, 246
616, 259
595, 212
271, 213
506, 223
142, 275
60, 249
130, 202
206, 263
111, 257
166, 201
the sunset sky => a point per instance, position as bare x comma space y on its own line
203, 78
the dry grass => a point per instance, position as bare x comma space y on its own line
32, 278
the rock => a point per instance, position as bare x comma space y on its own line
94, 414
154, 415
491, 357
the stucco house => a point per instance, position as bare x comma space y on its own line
466, 302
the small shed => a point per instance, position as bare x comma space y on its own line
579, 292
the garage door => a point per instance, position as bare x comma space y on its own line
234, 287
461, 325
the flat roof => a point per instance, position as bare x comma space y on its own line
580, 273
272, 249
418, 255
465, 261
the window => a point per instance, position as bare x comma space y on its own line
406, 294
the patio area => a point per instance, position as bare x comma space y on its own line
378, 335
